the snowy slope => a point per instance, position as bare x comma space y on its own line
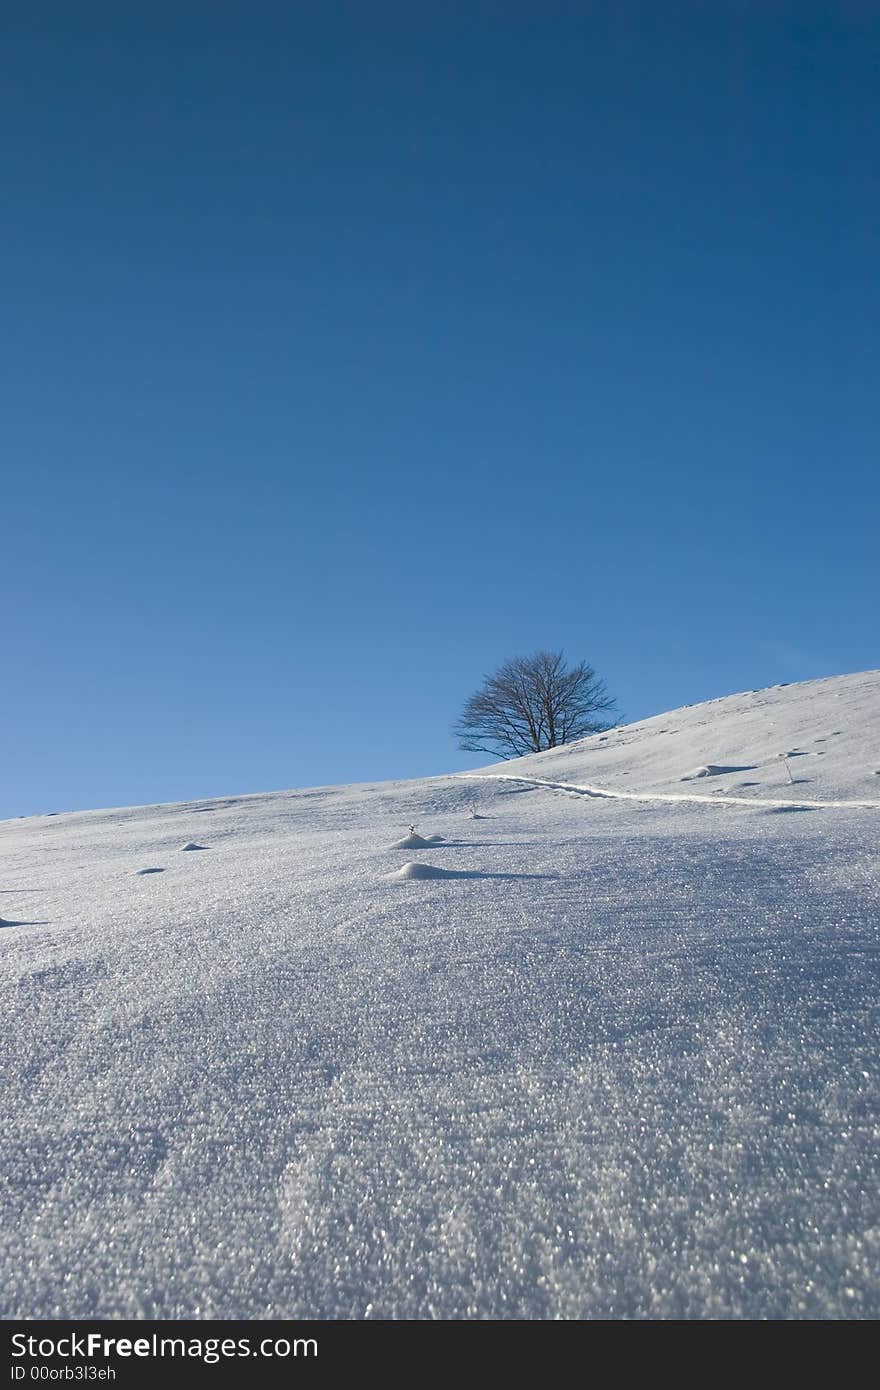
620, 1060
830, 730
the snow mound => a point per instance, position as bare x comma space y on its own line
193, 845
714, 770
415, 870
414, 842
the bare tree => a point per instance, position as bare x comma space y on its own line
532, 703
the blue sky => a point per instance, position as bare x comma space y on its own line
350, 349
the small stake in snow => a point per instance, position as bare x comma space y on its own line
787, 768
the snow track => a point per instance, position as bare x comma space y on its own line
719, 799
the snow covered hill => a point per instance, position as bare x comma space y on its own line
827, 730
614, 1057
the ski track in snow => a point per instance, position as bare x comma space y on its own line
619, 1061
721, 799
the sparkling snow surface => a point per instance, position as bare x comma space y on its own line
621, 1060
